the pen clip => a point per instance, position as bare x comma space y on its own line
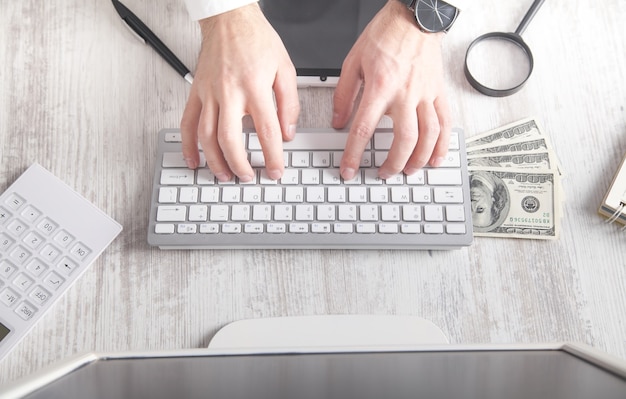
141, 39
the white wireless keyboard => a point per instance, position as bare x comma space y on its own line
49, 235
311, 206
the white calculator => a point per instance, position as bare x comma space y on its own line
49, 235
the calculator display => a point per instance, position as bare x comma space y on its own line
4, 331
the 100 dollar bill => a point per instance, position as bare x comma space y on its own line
517, 160
525, 129
514, 203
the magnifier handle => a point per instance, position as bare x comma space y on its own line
529, 16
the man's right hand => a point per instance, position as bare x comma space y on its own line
242, 61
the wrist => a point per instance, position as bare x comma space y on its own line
234, 16
400, 14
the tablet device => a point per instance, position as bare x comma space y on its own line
318, 34
567, 371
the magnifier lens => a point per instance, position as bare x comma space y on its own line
498, 63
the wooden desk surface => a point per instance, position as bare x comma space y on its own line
81, 96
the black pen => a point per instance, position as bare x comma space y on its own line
145, 35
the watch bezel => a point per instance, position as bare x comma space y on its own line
413, 6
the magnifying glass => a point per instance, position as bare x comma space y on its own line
498, 64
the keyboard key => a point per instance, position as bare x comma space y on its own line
177, 177
174, 213
444, 177
448, 195
164, 228
433, 228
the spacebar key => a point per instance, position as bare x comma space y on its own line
309, 141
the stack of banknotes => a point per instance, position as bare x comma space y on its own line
515, 182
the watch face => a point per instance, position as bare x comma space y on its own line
435, 15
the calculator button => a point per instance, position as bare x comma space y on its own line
50, 253
6, 269
16, 227
23, 282
19, 254
36, 267
33, 240
67, 266
80, 251
5, 242
9, 297
53, 281
15, 202
47, 226
31, 213
40, 295
4, 215
63, 238
26, 310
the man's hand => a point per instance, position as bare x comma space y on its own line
242, 61
400, 68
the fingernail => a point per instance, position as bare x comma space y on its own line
190, 163
335, 118
223, 176
348, 173
384, 175
410, 171
246, 178
274, 174
291, 131
437, 161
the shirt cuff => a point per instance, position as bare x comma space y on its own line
200, 9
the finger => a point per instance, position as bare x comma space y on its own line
404, 141
347, 90
230, 140
268, 131
189, 130
441, 148
365, 121
428, 134
207, 136
286, 91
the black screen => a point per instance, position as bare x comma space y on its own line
449, 375
4, 331
318, 34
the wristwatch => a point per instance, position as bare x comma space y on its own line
432, 16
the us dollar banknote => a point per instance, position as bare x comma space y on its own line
514, 203
521, 160
515, 182
526, 129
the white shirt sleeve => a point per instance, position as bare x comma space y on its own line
200, 9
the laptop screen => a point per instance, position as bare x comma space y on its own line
510, 374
